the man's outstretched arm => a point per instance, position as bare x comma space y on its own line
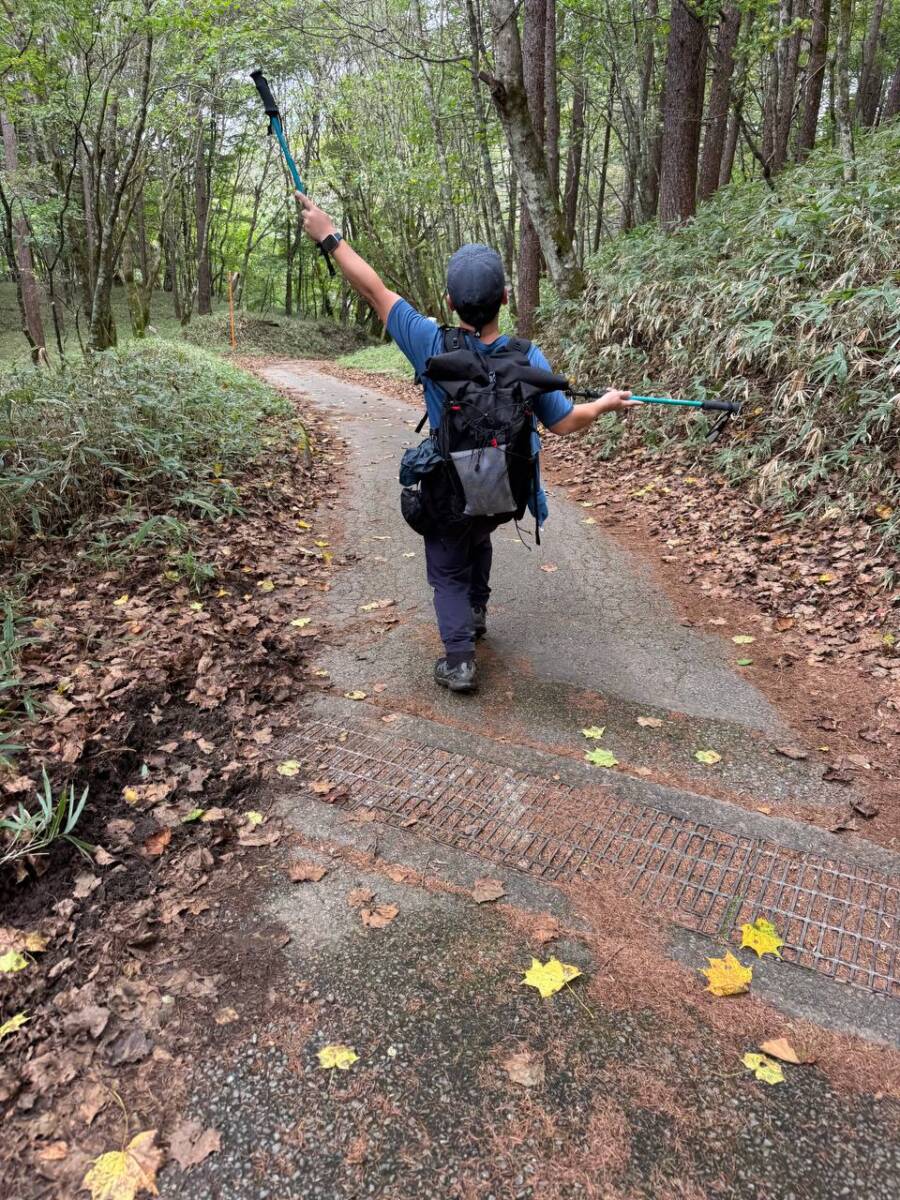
361, 277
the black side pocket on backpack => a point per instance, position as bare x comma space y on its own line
415, 514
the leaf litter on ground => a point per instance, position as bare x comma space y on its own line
124, 1174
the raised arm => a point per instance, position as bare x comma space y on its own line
582, 415
361, 277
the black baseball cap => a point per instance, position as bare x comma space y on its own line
476, 283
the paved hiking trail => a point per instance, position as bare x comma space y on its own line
645, 867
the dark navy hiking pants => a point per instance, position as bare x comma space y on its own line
459, 570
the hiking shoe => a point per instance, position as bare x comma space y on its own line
479, 619
460, 678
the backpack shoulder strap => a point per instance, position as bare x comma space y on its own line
519, 345
454, 338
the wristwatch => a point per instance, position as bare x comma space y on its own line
329, 244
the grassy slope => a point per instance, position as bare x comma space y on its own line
263, 334
789, 302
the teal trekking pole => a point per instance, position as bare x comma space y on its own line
277, 127
725, 408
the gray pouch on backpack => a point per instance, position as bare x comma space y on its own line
484, 475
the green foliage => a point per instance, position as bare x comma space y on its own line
789, 303
385, 359
27, 833
128, 445
287, 337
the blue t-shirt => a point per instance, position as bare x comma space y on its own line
419, 338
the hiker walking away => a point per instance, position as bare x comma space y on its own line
484, 392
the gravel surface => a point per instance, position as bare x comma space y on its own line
432, 1005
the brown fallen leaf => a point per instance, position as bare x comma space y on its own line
226, 1016
157, 842
259, 835
485, 890
650, 722
764, 808
547, 928
844, 825
302, 872
783, 624
85, 883
322, 787
54, 1152
525, 1068
401, 874
864, 807
782, 1048
379, 917
190, 1143
360, 896
364, 815
793, 752
549, 568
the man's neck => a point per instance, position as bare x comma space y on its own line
489, 333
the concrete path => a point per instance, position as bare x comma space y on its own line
641, 1094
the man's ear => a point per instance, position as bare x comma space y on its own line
450, 305
504, 299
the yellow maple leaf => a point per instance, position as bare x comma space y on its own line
355, 695
122, 1174
266, 585
130, 795
122, 600
11, 962
763, 1068
743, 639
550, 976
304, 525
289, 767
13, 1024
762, 937
710, 757
301, 622
254, 818
727, 976
337, 1055
601, 758
594, 731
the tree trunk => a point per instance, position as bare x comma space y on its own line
815, 77
892, 103
842, 96
731, 141
604, 166
576, 146
719, 102
868, 91
789, 56
483, 137
551, 97
201, 193
27, 287
511, 100
102, 330
533, 66
682, 113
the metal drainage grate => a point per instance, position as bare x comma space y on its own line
835, 918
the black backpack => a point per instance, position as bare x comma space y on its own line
479, 462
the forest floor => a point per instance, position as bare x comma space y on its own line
294, 824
